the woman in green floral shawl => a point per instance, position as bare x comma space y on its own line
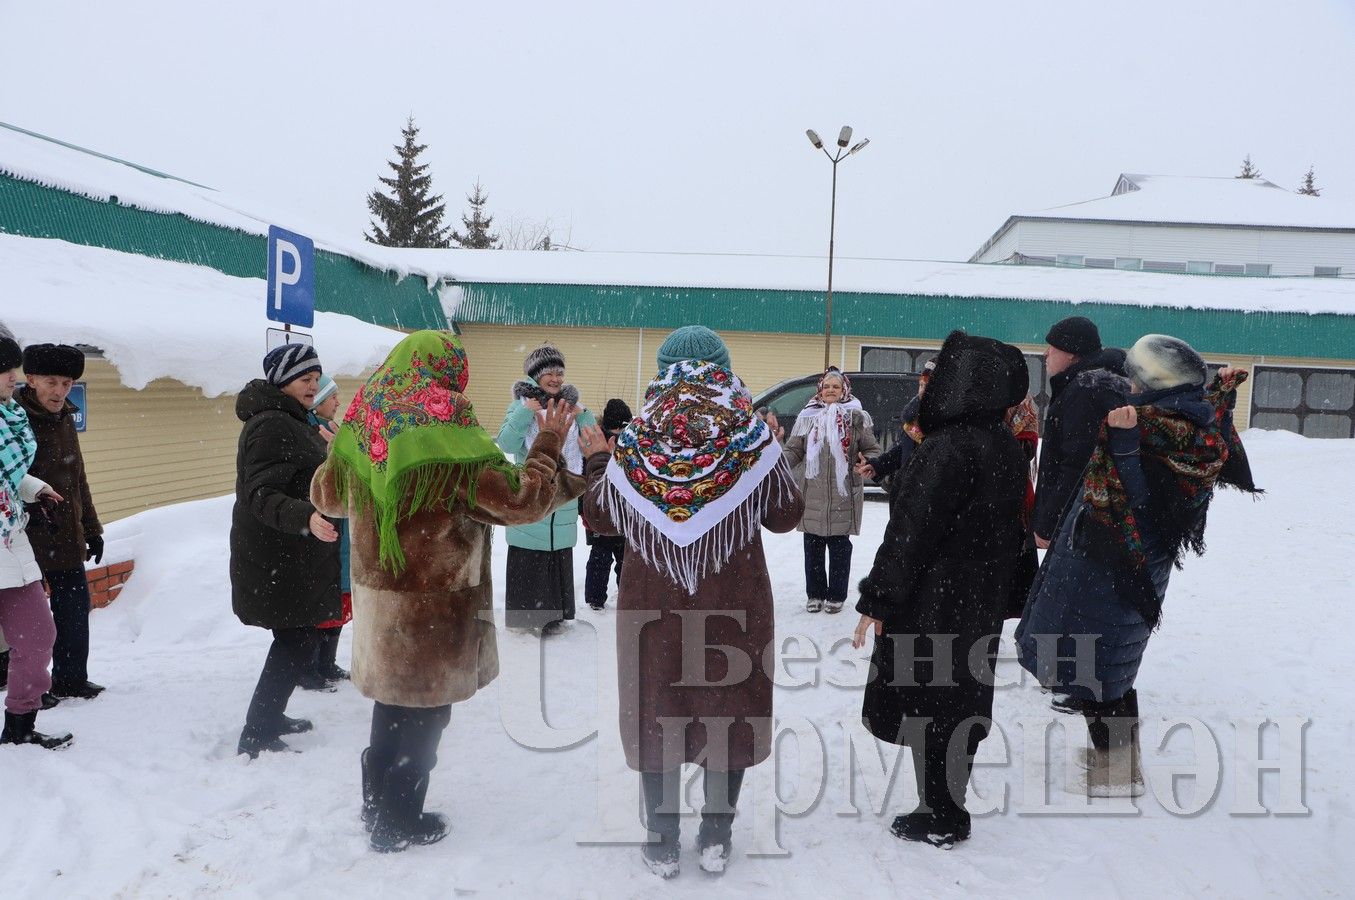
422, 484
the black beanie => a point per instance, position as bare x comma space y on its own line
61, 360
615, 416
11, 357
1076, 335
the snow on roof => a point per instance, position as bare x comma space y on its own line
39, 159
1180, 199
156, 319
886, 276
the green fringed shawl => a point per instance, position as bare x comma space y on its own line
410, 440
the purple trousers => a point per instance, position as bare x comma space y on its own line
26, 619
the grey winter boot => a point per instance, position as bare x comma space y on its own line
661, 790
1114, 767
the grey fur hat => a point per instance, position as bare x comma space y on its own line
541, 360
1158, 361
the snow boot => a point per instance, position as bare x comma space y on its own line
833, 606
663, 857
941, 818
326, 657
252, 746
400, 819
714, 839
19, 730
813, 604
1115, 769
314, 681
50, 700
85, 690
373, 777
296, 726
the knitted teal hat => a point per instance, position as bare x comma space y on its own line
327, 387
693, 342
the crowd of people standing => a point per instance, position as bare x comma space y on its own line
384, 517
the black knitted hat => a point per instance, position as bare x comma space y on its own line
615, 416
1076, 335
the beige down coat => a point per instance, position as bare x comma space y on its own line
425, 637
827, 512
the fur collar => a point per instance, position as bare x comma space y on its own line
530, 390
1105, 378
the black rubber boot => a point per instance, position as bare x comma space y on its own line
328, 654
296, 726
4, 668
661, 791
19, 730
400, 819
84, 690
714, 840
373, 777
941, 818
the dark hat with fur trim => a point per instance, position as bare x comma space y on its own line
61, 360
543, 359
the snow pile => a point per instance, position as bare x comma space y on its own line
884, 276
156, 319
151, 802
1208, 201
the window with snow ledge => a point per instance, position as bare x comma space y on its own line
1327, 271
1195, 267
1098, 262
1257, 269
1157, 265
1074, 262
1128, 263
1229, 269
1035, 260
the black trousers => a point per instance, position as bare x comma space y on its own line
407, 732
606, 552
830, 583
942, 767
539, 587
291, 656
70, 611
1111, 724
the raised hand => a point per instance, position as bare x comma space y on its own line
560, 416
593, 439
1123, 417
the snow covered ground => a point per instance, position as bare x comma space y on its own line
150, 801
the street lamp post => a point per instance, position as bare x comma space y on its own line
843, 139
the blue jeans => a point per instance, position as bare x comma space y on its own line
829, 583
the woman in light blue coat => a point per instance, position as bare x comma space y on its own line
539, 589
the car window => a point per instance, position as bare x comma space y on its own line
787, 404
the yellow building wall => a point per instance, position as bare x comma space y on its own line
166, 443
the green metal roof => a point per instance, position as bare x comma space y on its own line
900, 316
342, 284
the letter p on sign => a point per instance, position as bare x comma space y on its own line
291, 278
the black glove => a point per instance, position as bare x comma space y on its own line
95, 551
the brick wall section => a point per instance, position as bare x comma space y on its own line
105, 582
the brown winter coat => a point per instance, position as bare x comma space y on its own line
425, 637
60, 464
827, 512
731, 616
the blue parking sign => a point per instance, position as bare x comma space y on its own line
291, 277
77, 397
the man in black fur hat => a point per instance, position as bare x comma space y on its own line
74, 534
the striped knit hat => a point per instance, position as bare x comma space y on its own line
287, 363
543, 359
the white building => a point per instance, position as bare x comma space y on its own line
1168, 223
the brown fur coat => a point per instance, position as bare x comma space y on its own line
425, 637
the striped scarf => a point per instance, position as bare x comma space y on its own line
18, 448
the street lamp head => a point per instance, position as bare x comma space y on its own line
844, 136
814, 138
859, 146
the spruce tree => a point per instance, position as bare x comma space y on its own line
1248, 170
1309, 187
477, 236
412, 215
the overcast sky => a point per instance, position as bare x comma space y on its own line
680, 127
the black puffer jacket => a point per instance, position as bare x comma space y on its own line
1077, 407
281, 576
950, 550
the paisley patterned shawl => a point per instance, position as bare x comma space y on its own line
693, 475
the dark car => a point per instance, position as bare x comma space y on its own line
882, 394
